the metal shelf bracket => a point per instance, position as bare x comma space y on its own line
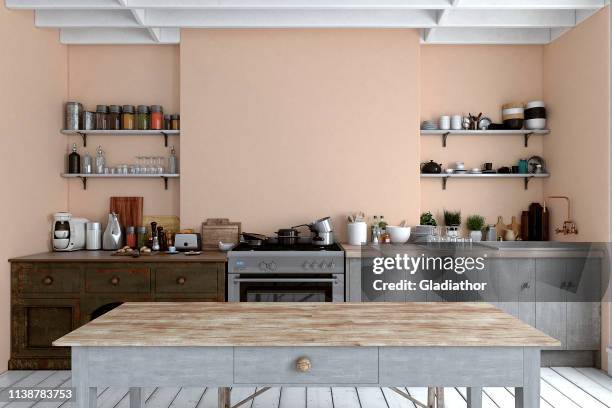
166, 183
444, 180
526, 180
84, 136
84, 180
165, 139
527, 135
444, 138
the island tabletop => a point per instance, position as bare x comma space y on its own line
227, 345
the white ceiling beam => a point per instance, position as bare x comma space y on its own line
509, 18
117, 36
445, 35
85, 18
291, 18
62, 4
533, 4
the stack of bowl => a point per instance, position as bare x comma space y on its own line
513, 115
535, 115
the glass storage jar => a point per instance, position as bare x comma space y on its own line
127, 118
176, 124
157, 117
114, 117
142, 118
102, 117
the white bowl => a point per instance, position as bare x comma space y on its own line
226, 247
60, 243
61, 234
535, 124
399, 235
535, 104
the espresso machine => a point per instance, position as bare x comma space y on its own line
67, 233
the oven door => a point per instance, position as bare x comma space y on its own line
286, 288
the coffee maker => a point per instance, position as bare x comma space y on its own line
67, 233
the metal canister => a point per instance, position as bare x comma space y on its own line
89, 120
73, 116
93, 239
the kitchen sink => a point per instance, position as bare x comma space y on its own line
537, 245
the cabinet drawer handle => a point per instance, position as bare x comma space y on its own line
47, 280
303, 364
114, 280
181, 280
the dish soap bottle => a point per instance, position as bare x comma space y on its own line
100, 161
172, 162
74, 161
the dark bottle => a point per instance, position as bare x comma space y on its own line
74, 161
161, 236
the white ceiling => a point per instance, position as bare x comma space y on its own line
440, 21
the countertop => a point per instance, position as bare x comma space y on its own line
106, 256
517, 249
307, 324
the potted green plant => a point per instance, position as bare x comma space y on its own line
475, 223
428, 219
452, 220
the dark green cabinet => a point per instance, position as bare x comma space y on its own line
50, 299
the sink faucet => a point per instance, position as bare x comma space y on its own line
569, 228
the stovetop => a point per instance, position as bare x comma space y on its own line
273, 247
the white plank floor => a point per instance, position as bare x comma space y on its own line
561, 387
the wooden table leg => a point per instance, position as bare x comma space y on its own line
136, 400
474, 397
431, 397
440, 397
86, 396
528, 396
224, 397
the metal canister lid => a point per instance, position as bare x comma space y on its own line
142, 230
175, 116
130, 230
128, 108
115, 109
102, 108
143, 109
157, 108
167, 117
93, 226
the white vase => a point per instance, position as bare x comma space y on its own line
476, 236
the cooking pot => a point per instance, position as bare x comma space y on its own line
323, 238
321, 225
431, 167
288, 236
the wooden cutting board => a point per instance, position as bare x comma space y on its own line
500, 227
515, 227
215, 230
128, 209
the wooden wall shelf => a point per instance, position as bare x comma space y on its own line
83, 133
526, 177
446, 133
84, 177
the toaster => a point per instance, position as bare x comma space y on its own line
188, 242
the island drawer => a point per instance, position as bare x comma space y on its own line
118, 279
319, 365
49, 278
179, 278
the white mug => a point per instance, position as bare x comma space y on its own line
444, 123
456, 122
357, 233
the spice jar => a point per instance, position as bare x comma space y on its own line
102, 117
142, 118
142, 236
167, 122
176, 124
114, 117
127, 118
157, 117
130, 239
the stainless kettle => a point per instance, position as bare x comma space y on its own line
112, 238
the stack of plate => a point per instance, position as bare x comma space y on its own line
535, 115
513, 115
429, 125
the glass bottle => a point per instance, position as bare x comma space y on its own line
87, 164
155, 244
127, 118
167, 122
172, 162
130, 237
100, 161
74, 161
114, 117
142, 236
175, 122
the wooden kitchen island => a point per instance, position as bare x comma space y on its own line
306, 344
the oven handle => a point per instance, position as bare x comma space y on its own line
287, 280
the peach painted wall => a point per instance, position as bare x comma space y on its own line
283, 126
33, 83
124, 75
577, 90
473, 79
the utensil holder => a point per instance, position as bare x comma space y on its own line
357, 233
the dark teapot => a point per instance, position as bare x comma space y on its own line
431, 167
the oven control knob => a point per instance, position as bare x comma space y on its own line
322, 265
305, 265
331, 265
272, 266
262, 266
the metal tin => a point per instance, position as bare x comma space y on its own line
89, 120
73, 116
94, 236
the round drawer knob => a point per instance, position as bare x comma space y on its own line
114, 280
181, 280
303, 364
47, 280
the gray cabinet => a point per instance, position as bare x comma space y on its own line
568, 307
